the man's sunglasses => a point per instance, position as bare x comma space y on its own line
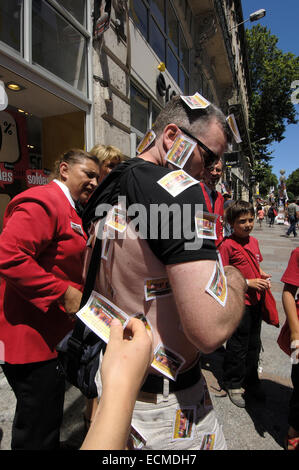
210, 158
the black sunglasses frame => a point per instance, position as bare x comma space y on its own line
213, 157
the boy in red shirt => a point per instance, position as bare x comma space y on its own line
240, 365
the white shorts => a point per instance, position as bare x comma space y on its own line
183, 420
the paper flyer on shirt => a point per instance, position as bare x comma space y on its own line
176, 182
98, 314
205, 225
183, 425
217, 286
208, 442
180, 151
167, 361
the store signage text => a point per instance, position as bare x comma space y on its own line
36, 178
163, 89
6, 175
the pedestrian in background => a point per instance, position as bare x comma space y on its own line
291, 308
109, 157
293, 210
41, 265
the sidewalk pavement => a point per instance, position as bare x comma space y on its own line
261, 427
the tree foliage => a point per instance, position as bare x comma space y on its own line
263, 174
292, 183
271, 72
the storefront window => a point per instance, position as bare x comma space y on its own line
172, 28
11, 23
58, 46
77, 8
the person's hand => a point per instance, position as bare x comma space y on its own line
127, 357
259, 284
71, 300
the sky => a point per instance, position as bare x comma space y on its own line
282, 20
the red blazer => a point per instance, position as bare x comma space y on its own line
218, 209
41, 254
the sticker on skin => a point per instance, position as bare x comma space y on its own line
183, 426
217, 286
196, 101
145, 321
205, 225
180, 151
155, 288
98, 314
176, 182
117, 219
167, 362
231, 120
147, 140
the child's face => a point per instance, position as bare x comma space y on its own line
243, 225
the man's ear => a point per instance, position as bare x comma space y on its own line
170, 133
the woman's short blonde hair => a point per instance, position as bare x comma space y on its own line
107, 152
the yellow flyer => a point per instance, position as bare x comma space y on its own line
217, 286
183, 423
167, 362
176, 182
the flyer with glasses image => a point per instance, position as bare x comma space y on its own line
180, 151
176, 182
196, 101
205, 225
167, 362
217, 286
98, 314
183, 423
147, 140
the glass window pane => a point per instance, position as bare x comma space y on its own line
77, 8
139, 15
157, 40
57, 46
158, 9
184, 52
172, 64
172, 28
184, 81
10, 23
155, 113
139, 111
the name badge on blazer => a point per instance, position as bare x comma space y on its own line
77, 228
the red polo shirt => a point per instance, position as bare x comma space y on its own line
232, 256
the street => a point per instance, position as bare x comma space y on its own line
260, 427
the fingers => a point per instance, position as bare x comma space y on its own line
116, 330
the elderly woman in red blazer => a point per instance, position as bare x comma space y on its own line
41, 260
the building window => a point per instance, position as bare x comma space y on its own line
159, 24
58, 46
77, 8
11, 23
144, 112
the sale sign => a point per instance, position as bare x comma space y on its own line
6, 174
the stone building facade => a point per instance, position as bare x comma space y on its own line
65, 83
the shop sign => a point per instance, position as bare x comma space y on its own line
9, 143
231, 159
36, 178
6, 174
163, 89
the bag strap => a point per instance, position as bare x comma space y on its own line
75, 340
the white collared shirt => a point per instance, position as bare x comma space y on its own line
66, 191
